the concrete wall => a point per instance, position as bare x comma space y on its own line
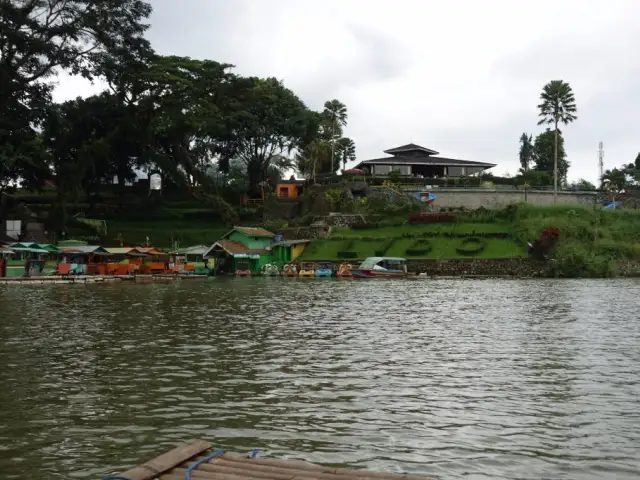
476, 198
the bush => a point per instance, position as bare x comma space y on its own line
573, 260
430, 217
347, 254
419, 248
471, 246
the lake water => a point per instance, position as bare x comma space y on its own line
452, 379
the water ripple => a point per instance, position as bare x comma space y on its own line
452, 379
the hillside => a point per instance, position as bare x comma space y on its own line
591, 240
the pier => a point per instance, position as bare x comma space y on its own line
198, 460
83, 279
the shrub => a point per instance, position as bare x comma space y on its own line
430, 217
419, 248
471, 246
347, 254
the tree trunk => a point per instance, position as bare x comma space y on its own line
255, 176
555, 165
333, 141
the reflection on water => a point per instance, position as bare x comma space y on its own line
495, 379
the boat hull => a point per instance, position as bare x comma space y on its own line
365, 273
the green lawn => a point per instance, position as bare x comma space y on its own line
442, 248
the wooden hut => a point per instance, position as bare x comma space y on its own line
83, 260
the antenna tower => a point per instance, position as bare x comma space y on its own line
601, 159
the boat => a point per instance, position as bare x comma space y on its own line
344, 271
307, 270
290, 270
381, 267
270, 270
242, 269
324, 269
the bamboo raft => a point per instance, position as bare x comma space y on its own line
198, 461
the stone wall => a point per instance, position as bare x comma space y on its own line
304, 233
517, 267
475, 267
477, 197
628, 268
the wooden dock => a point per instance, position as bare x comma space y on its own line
82, 279
197, 460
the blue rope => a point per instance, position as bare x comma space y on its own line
254, 453
115, 477
200, 462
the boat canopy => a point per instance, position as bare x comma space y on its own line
371, 262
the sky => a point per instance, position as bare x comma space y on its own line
462, 77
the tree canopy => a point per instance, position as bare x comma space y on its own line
544, 151
189, 120
558, 106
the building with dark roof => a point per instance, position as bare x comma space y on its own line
417, 161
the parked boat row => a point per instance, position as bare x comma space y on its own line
372, 267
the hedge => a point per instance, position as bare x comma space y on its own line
347, 254
471, 246
364, 226
419, 248
430, 217
385, 247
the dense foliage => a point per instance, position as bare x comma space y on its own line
194, 122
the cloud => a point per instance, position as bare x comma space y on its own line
462, 77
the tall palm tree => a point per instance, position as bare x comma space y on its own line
558, 106
336, 113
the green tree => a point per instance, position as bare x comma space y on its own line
558, 105
314, 155
345, 151
526, 151
614, 180
39, 38
269, 123
335, 113
583, 185
549, 152
188, 104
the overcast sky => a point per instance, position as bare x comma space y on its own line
462, 77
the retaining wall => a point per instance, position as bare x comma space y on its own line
457, 268
476, 198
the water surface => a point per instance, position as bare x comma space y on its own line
452, 379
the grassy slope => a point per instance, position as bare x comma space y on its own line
588, 236
185, 221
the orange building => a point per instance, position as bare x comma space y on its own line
289, 188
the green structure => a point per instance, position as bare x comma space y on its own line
250, 248
242, 249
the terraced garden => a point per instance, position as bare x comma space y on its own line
434, 241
